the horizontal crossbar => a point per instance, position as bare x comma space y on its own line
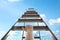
30, 16
34, 27
34, 37
30, 20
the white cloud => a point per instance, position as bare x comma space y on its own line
43, 16
14, 0
42, 24
51, 21
11, 32
57, 31
2, 34
54, 21
3, 3
45, 33
58, 20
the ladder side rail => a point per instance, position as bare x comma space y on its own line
6, 35
39, 30
54, 37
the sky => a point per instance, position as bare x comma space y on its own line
11, 10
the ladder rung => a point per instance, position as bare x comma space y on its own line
31, 12
30, 20
34, 37
30, 16
34, 27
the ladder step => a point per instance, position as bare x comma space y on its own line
30, 20
35, 28
34, 37
23, 16
31, 12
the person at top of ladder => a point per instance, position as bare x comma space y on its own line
29, 30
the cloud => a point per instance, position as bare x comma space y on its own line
3, 3
42, 24
50, 21
11, 32
54, 21
57, 31
1, 34
14, 0
43, 16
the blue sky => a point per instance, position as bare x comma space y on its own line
11, 10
